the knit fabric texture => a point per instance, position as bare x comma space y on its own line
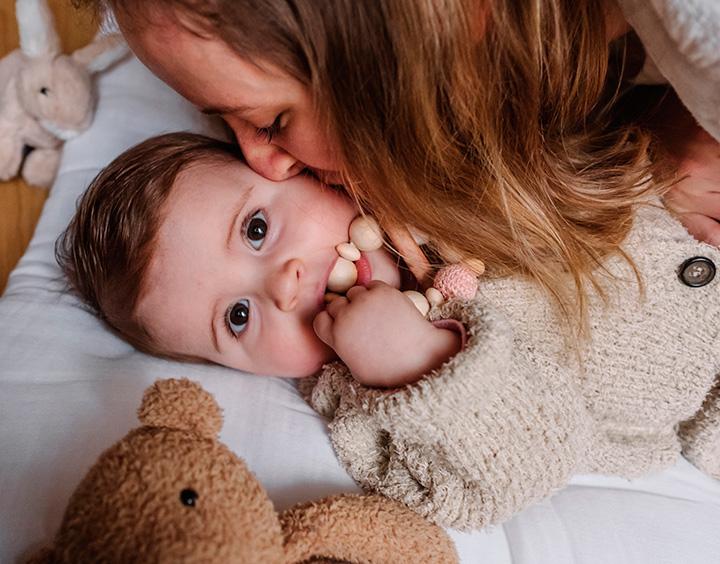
511, 417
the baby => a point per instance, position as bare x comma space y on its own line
189, 254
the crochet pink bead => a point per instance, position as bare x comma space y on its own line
456, 281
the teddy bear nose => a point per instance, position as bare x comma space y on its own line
189, 497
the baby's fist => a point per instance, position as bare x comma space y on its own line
382, 337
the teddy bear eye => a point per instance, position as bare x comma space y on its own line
189, 497
44, 91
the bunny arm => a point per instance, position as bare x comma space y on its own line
363, 528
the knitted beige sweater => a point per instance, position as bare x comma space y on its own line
510, 418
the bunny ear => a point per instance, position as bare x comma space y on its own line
104, 51
37, 29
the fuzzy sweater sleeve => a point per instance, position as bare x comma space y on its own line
495, 429
682, 38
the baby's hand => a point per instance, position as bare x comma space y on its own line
382, 337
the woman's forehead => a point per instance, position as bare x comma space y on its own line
206, 70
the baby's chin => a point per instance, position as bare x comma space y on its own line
302, 365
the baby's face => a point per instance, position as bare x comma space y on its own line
240, 268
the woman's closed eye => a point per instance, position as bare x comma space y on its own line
270, 131
255, 229
237, 317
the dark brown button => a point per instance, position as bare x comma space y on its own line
697, 272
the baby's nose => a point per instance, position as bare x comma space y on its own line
285, 283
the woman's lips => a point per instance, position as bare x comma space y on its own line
364, 270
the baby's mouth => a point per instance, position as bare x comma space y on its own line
364, 270
353, 266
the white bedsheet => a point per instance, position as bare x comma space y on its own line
69, 388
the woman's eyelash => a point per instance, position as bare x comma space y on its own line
271, 130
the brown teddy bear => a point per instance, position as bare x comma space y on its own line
171, 492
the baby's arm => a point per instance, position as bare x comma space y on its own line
382, 337
495, 428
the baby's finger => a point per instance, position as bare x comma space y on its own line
375, 284
355, 291
322, 325
335, 306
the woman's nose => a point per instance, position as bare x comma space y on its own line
267, 159
284, 284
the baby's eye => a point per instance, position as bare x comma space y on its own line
238, 316
255, 229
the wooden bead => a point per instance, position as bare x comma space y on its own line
419, 301
342, 277
448, 254
476, 265
365, 234
348, 251
434, 296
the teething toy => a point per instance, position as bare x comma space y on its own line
453, 281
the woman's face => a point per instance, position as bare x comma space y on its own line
271, 113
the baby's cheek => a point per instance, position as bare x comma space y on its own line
295, 351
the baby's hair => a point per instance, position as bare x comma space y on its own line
107, 248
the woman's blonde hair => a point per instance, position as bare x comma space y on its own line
485, 124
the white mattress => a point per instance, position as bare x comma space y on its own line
69, 388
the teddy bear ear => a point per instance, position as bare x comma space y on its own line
181, 404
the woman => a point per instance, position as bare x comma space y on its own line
490, 116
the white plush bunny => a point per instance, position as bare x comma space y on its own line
46, 97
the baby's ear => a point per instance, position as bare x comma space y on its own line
181, 404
